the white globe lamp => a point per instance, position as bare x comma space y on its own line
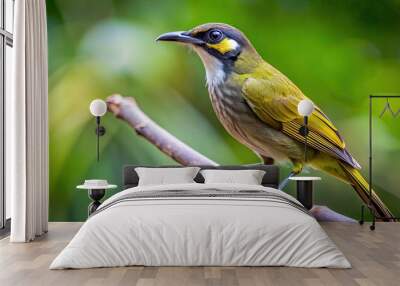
305, 107
98, 107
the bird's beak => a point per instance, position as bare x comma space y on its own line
182, 37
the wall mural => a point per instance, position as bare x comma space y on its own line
336, 54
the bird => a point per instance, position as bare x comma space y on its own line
257, 105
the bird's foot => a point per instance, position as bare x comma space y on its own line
297, 168
284, 183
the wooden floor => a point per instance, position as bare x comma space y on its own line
375, 257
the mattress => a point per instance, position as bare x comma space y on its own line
201, 225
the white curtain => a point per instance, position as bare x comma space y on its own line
27, 124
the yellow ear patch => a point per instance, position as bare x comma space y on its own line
225, 46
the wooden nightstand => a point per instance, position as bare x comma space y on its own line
305, 190
96, 191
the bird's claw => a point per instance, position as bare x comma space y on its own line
284, 183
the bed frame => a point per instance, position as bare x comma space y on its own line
130, 178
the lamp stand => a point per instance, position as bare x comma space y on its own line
304, 132
100, 131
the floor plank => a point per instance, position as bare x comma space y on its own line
374, 255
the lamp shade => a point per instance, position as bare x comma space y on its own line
98, 107
305, 107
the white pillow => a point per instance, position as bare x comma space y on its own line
247, 177
163, 176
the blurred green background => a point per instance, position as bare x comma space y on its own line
337, 53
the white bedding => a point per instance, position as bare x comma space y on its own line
188, 231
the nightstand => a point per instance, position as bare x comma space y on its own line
305, 190
96, 191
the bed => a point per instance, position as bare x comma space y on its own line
198, 224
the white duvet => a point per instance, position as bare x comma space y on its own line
192, 231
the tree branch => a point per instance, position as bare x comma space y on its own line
323, 213
126, 109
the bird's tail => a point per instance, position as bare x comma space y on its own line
362, 188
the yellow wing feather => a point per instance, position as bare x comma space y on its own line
275, 99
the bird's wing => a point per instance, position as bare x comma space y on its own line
275, 102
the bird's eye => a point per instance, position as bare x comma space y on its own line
215, 36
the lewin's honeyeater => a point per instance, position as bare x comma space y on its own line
257, 105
